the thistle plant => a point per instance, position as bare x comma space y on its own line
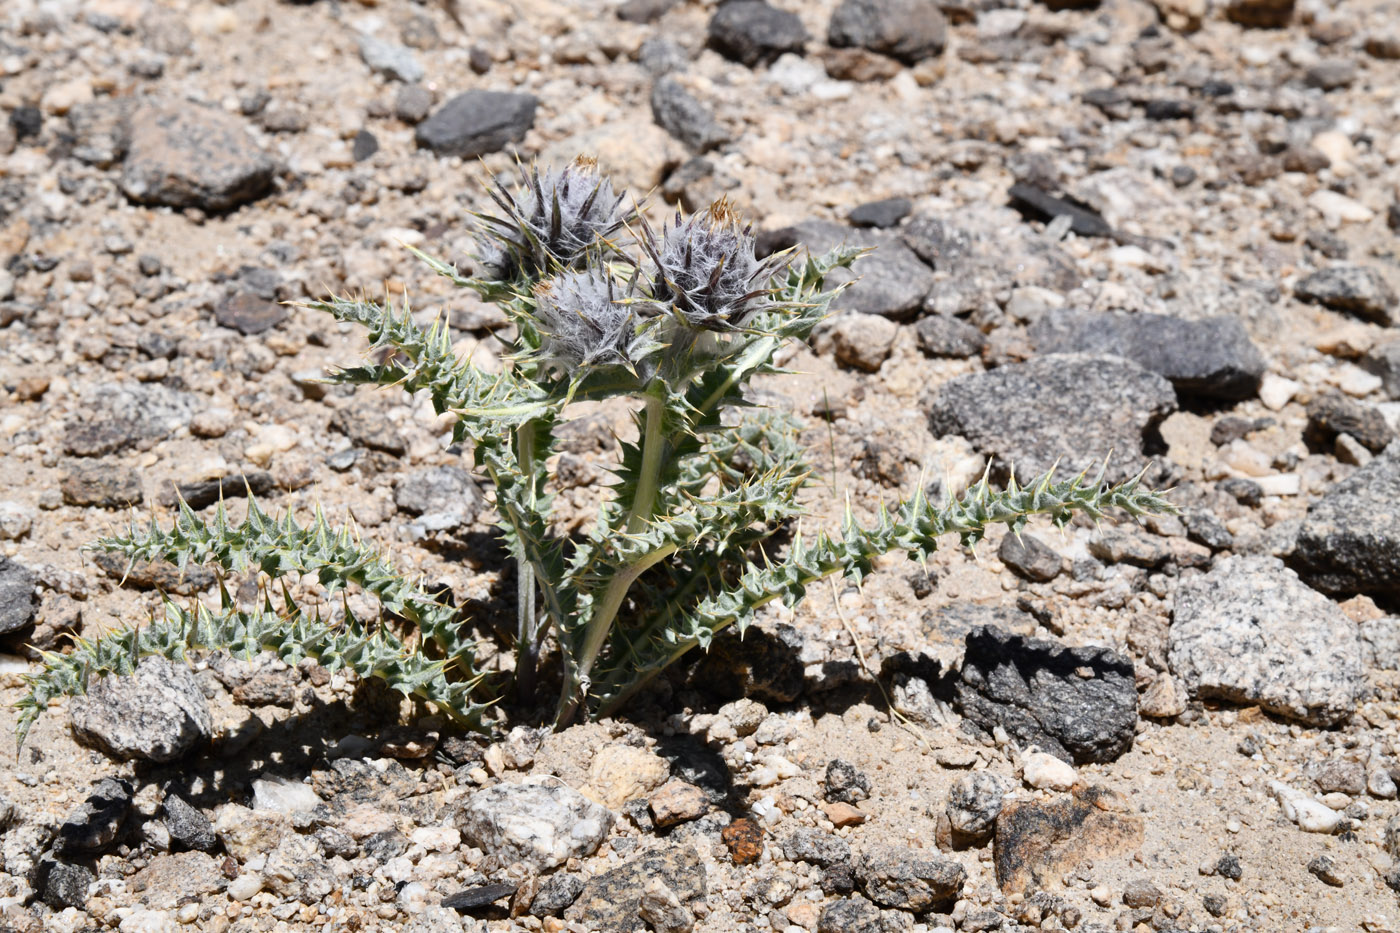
678, 322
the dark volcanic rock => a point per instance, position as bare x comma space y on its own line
94, 826
677, 112
1384, 361
609, 901
880, 214
1357, 290
477, 897
1266, 14
1213, 358
1250, 631
943, 335
444, 497
1350, 539
1027, 556
119, 415
817, 846
1078, 704
893, 876
893, 281
63, 884
206, 492
909, 30
1039, 841
1332, 413
845, 783
755, 33
478, 122
555, 894
850, 915
1068, 408
249, 314
158, 714
189, 828
19, 598
182, 155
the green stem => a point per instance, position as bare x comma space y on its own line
595, 633
526, 657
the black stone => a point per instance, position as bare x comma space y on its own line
1350, 539
881, 214
19, 597
1169, 110
249, 314
1213, 358
1229, 866
1037, 204
1036, 690
678, 112
188, 827
477, 123
206, 492
64, 885
909, 30
555, 894
475, 898
364, 145
1029, 557
754, 33
26, 122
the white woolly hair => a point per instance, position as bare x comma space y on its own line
550, 221
583, 320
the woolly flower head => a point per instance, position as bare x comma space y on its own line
705, 270
584, 319
549, 221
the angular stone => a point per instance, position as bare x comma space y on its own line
816, 846
157, 714
182, 155
845, 783
1250, 631
1358, 290
862, 341
445, 498
119, 415
755, 33
610, 901
390, 60
101, 484
1063, 408
942, 335
19, 597
1078, 704
1029, 557
1263, 14
539, 822
880, 214
758, 663
555, 894
63, 884
909, 30
850, 915
678, 802
1213, 358
1038, 842
620, 773
1331, 413
478, 122
94, 825
975, 801
188, 826
1384, 360
248, 314
893, 280
1350, 539
100, 131
900, 878
169, 881
744, 839
679, 113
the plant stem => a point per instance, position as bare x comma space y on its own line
595, 633
526, 644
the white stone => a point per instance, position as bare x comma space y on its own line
1356, 382
1336, 146
279, 796
539, 821
1332, 205
1276, 391
15, 520
245, 886
1046, 772
1310, 815
1281, 484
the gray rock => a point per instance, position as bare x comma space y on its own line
661, 909
1331, 413
1213, 358
754, 33
678, 112
555, 894
661, 56
444, 497
436, 919
100, 131
1349, 541
1380, 643
1063, 407
850, 915
1358, 290
1250, 631
644, 11
295, 870
539, 822
975, 801
900, 878
862, 341
880, 214
120, 415
390, 60
1029, 557
102, 484
817, 846
19, 597
1078, 704
845, 783
892, 280
64, 885
188, 827
249, 314
413, 103
609, 902
157, 714
478, 122
941, 335
909, 30
182, 155
1384, 360
94, 825
1129, 545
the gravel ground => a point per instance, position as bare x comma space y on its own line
1164, 228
